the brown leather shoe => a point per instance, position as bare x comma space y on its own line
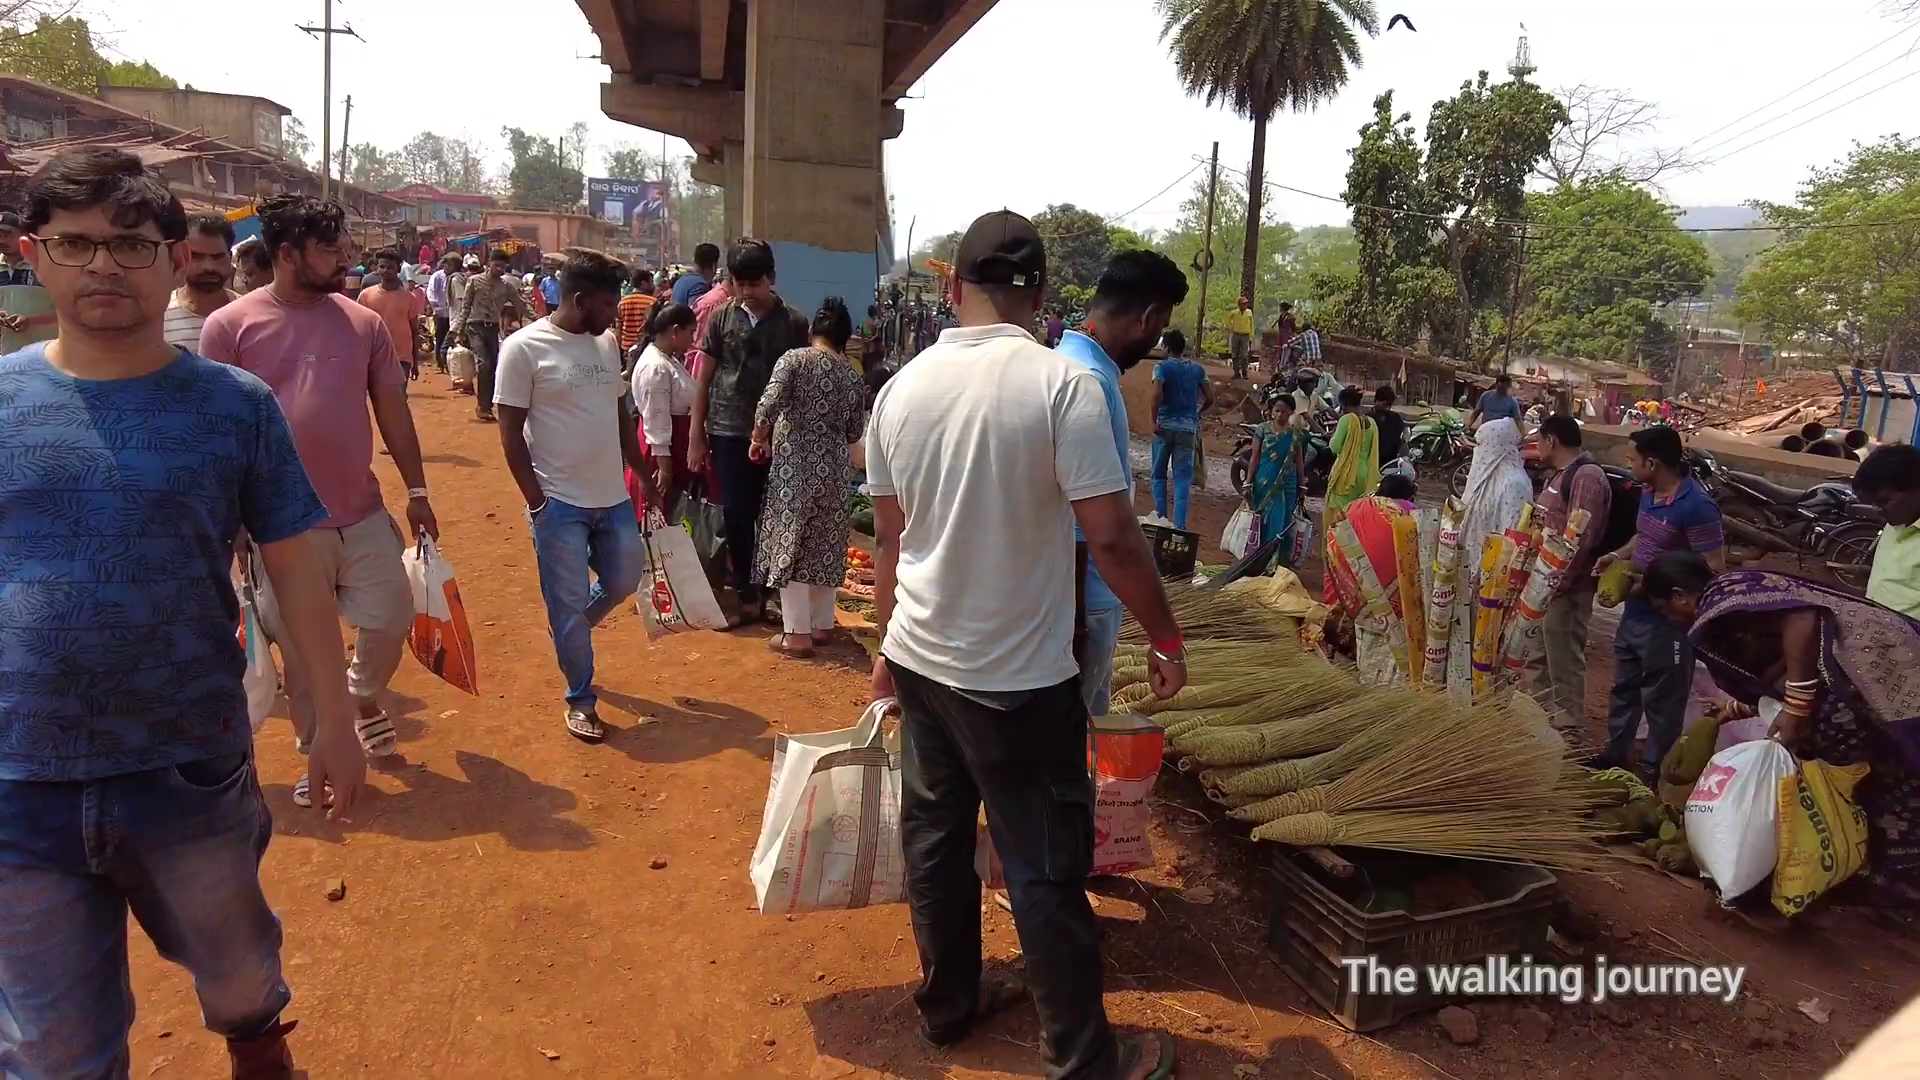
265, 1056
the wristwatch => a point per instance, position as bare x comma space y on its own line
416, 493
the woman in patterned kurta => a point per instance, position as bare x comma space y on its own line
811, 413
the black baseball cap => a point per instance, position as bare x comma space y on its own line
1002, 248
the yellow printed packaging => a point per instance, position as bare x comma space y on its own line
1823, 833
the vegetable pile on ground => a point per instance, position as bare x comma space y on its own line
861, 507
1311, 757
859, 579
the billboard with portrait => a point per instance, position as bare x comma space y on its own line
633, 205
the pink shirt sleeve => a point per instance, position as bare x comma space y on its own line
217, 341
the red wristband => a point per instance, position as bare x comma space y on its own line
1174, 647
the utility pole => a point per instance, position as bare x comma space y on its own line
346, 141
1203, 262
1513, 304
325, 31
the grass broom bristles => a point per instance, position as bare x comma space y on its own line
1562, 840
1313, 733
1292, 774
1456, 759
1220, 615
1295, 693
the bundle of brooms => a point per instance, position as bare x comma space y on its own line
1298, 747
1218, 615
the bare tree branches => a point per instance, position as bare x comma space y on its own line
1607, 131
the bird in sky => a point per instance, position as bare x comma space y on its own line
1398, 20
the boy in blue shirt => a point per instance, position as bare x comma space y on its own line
1180, 394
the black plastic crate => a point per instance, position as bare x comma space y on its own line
1175, 551
1318, 919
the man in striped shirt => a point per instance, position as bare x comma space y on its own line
635, 307
209, 270
1652, 658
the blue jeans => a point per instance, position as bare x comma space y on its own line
1181, 461
568, 541
1096, 668
181, 848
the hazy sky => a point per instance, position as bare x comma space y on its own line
1075, 101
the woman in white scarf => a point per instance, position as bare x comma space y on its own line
1497, 490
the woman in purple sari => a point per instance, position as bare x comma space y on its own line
1849, 672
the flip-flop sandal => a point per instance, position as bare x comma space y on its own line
1133, 1051
778, 643
585, 726
303, 792
998, 992
377, 737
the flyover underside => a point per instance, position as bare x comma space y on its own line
787, 104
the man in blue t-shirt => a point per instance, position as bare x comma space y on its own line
128, 468
1652, 658
1496, 404
1131, 306
690, 287
1180, 395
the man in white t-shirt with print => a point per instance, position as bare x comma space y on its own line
565, 431
981, 455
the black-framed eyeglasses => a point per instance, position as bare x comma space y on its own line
130, 252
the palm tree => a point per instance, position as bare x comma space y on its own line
1259, 56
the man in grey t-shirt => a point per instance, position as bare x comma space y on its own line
1496, 404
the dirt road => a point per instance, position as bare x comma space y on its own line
501, 918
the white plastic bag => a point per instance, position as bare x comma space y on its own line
261, 680
1735, 732
1238, 533
460, 366
1733, 815
676, 595
440, 638
830, 835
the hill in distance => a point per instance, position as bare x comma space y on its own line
1718, 217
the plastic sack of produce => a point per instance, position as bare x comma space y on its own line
440, 638
460, 366
1237, 539
1823, 833
676, 596
830, 834
1125, 754
1733, 814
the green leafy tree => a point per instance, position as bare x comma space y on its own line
453, 164
1482, 145
128, 73
62, 51
538, 177
373, 168
1443, 209
1605, 254
1278, 270
1259, 57
1846, 272
295, 144
1390, 292
628, 162
1079, 243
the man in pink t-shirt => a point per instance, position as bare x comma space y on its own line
326, 358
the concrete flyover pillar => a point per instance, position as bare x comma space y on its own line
729, 173
814, 126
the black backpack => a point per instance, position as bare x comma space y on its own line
1623, 508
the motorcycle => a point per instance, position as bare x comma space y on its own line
1827, 521
1439, 440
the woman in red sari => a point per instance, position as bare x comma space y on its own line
663, 401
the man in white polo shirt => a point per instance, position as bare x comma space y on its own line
981, 455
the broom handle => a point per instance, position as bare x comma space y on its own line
1327, 860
